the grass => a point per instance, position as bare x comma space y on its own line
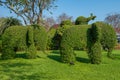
49, 67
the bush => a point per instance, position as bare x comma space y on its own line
81, 20
40, 37
109, 38
50, 42
13, 38
31, 50
72, 38
27, 38
94, 45
58, 36
65, 22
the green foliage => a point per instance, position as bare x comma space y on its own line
94, 45
58, 36
26, 38
65, 22
40, 37
31, 53
109, 38
13, 38
81, 20
50, 42
7, 22
74, 37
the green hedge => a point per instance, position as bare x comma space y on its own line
93, 44
27, 38
65, 22
40, 37
14, 37
109, 38
72, 38
50, 42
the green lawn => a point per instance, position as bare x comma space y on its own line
49, 67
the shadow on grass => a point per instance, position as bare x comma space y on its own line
83, 60
21, 55
22, 71
55, 52
55, 57
116, 56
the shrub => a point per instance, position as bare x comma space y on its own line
58, 36
13, 38
109, 38
94, 45
65, 22
40, 37
27, 38
50, 42
81, 20
72, 38
31, 50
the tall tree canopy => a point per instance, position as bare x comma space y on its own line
29, 10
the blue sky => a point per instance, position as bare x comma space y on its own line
76, 8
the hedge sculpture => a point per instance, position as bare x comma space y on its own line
109, 38
93, 44
81, 20
90, 36
72, 38
28, 38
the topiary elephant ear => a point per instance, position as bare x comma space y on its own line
40, 37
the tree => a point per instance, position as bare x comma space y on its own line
63, 17
29, 10
113, 19
7, 22
50, 21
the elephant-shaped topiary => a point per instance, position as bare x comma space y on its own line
28, 38
92, 37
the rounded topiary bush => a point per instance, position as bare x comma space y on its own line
13, 38
72, 38
109, 38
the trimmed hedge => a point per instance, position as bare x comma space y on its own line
14, 37
58, 36
50, 42
72, 38
81, 20
93, 44
109, 38
65, 22
28, 38
40, 37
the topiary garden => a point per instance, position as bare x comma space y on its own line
68, 37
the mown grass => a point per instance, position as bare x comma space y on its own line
49, 67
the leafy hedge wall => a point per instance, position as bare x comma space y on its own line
109, 38
28, 38
72, 38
